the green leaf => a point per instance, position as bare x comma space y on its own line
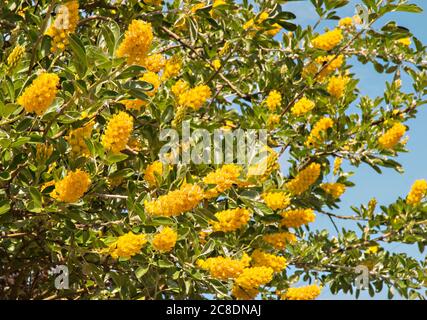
4, 206
79, 53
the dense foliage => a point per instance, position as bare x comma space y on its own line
86, 88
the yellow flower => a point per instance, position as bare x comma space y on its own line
297, 217
249, 24
172, 68
118, 132
154, 62
275, 29
316, 135
244, 293
392, 136
43, 152
153, 79
302, 293
276, 200
180, 87
261, 171
15, 56
136, 43
405, 41
334, 189
336, 86
133, 104
302, 106
72, 187
231, 220
175, 202
224, 268
252, 278
223, 179
279, 240
65, 24
273, 100
372, 250
273, 120
346, 22
337, 165
153, 170
304, 179
40, 94
328, 40
165, 240
127, 245
195, 97
216, 64
264, 259
417, 193
77, 137
332, 63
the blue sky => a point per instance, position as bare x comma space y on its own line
391, 184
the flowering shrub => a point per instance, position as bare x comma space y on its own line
87, 88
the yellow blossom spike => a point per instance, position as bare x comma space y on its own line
118, 132
334, 189
304, 179
328, 40
224, 268
279, 240
302, 106
72, 187
264, 259
273, 100
392, 136
223, 179
175, 202
136, 43
276, 200
165, 240
297, 217
231, 219
417, 193
319, 129
153, 170
40, 94
302, 293
127, 245
195, 97
252, 278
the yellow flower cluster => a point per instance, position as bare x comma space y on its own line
64, 24
392, 136
72, 187
262, 169
302, 106
154, 169
417, 193
328, 40
216, 64
252, 278
43, 152
40, 94
195, 97
136, 43
316, 134
302, 293
264, 259
127, 245
244, 293
15, 56
180, 87
77, 137
154, 62
223, 179
273, 120
273, 100
231, 220
297, 217
279, 240
224, 268
334, 189
346, 22
304, 179
175, 202
153, 79
133, 104
317, 67
337, 85
118, 131
405, 41
276, 200
337, 165
165, 240
172, 68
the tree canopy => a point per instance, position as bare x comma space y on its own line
89, 87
